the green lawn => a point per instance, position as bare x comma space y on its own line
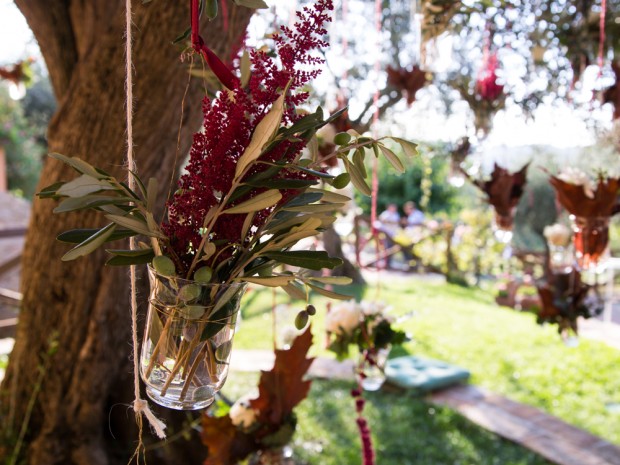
406, 430
506, 351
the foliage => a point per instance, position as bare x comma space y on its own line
506, 351
406, 430
20, 140
366, 326
398, 189
248, 194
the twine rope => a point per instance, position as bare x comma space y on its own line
140, 406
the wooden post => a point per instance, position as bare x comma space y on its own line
3, 179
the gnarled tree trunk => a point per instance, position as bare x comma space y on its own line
74, 327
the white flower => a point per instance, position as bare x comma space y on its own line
557, 234
577, 177
343, 318
241, 414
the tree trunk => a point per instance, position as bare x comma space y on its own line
333, 246
74, 327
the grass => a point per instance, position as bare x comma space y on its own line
506, 351
406, 430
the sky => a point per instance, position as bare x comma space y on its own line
555, 125
16, 40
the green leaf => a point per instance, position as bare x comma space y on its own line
75, 236
294, 291
90, 244
337, 280
358, 161
255, 4
312, 260
260, 202
314, 172
89, 201
263, 133
130, 257
329, 196
357, 178
211, 8
410, 149
49, 192
182, 36
283, 183
303, 199
316, 208
270, 281
83, 185
79, 165
392, 158
330, 294
133, 223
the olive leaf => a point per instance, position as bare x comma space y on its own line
264, 132
255, 4
80, 165
90, 244
260, 202
410, 149
83, 185
392, 158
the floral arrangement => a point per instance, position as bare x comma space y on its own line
254, 187
591, 202
264, 423
366, 325
564, 298
557, 235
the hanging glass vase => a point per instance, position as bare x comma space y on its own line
188, 340
561, 258
590, 239
373, 362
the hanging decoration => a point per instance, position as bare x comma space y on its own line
246, 198
504, 190
591, 205
407, 80
564, 298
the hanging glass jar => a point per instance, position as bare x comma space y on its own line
591, 238
188, 340
372, 374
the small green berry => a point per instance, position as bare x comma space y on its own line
164, 265
342, 138
311, 309
203, 275
301, 320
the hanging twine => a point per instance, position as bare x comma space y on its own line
601, 42
140, 406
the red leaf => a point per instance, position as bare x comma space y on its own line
282, 388
227, 445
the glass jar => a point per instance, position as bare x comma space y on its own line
591, 238
373, 363
188, 340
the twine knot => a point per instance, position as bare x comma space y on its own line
141, 406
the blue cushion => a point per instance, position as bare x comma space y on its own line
423, 374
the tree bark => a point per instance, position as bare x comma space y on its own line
76, 315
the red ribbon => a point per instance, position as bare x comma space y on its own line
221, 71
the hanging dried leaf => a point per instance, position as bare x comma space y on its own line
283, 388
